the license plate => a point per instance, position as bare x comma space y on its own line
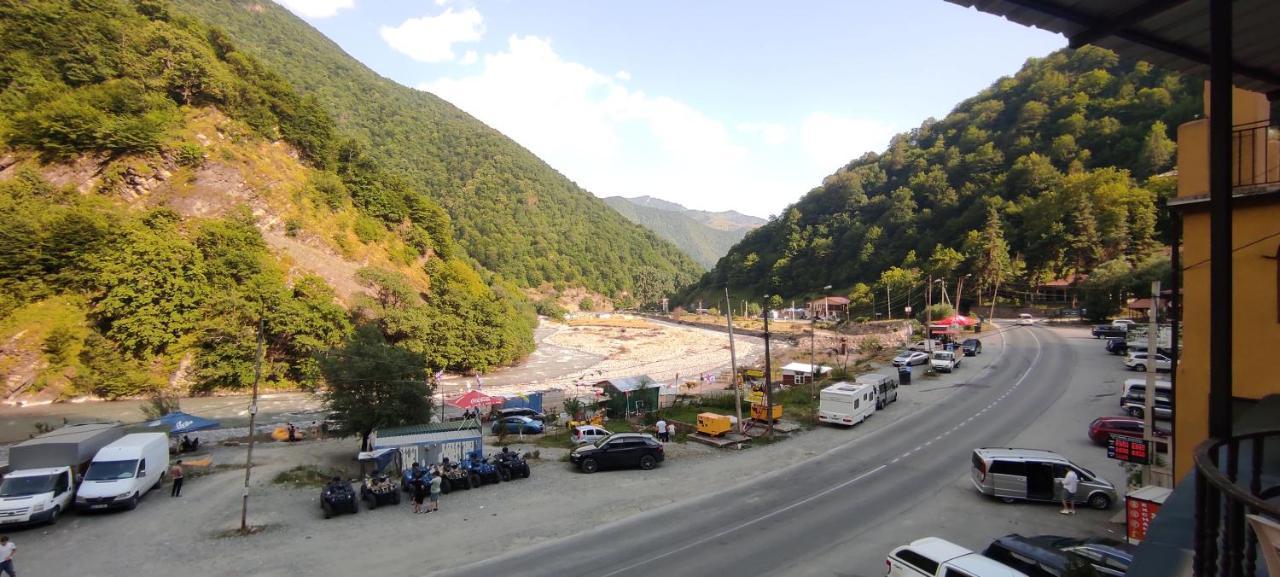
99, 506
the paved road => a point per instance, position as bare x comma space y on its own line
772, 524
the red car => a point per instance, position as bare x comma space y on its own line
1102, 428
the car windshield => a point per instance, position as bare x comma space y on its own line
22, 486
111, 470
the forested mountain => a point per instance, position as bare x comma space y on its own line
705, 236
1043, 174
511, 212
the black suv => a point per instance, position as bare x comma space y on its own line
1051, 555
521, 412
619, 451
972, 347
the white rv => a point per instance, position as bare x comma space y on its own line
122, 472
846, 403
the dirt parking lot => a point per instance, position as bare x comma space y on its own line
173, 536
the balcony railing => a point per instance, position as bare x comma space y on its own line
1255, 149
1230, 475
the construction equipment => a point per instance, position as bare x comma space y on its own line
714, 424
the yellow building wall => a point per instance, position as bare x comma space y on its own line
1255, 316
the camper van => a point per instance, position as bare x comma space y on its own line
846, 403
886, 387
122, 472
1138, 388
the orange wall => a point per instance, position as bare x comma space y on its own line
1256, 325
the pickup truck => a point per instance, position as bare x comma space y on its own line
1110, 330
944, 361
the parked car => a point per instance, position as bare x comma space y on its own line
1052, 555
1117, 345
521, 412
584, 434
1102, 428
1161, 406
910, 358
519, 425
971, 347
1026, 319
934, 557
1109, 330
619, 451
1138, 362
945, 361
1138, 387
1035, 475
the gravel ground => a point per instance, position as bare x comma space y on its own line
173, 536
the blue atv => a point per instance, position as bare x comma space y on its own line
488, 472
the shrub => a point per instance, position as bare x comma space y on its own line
586, 304
59, 344
189, 154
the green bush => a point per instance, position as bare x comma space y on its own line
189, 154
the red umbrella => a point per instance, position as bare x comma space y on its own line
472, 400
957, 320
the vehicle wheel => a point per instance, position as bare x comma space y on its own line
504, 475
1135, 412
395, 498
475, 479
1099, 501
524, 471
590, 466
328, 513
132, 504
1007, 499
647, 462
53, 517
445, 486
372, 503
1140, 368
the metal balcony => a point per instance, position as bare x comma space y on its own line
1235, 477
1255, 155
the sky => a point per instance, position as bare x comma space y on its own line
714, 104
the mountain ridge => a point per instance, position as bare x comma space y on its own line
704, 236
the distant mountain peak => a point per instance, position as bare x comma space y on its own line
726, 220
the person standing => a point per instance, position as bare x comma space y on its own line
419, 493
435, 494
1070, 483
7, 548
662, 430
671, 431
176, 474
293, 432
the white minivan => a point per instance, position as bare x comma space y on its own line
122, 472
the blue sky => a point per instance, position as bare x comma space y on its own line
714, 104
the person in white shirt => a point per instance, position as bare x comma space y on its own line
662, 430
671, 431
1070, 483
6, 552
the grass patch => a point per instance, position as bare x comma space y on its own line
305, 476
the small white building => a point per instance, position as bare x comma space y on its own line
800, 373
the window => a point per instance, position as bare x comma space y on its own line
953, 572
855, 403
61, 485
917, 561
1009, 468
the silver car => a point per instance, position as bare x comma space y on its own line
910, 358
1034, 475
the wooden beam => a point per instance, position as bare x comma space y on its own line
1133, 16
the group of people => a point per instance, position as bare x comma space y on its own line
424, 483
666, 431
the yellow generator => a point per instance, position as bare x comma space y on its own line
760, 412
714, 424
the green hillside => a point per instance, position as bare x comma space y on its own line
161, 191
690, 230
511, 212
1043, 174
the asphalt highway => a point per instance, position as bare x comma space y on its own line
773, 523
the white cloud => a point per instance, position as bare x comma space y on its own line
469, 58
831, 141
316, 8
442, 2
769, 132
622, 75
605, 136
431, 38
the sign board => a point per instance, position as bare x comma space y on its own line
755, 397
1129, 450
1141, 507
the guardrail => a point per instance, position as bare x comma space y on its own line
1255, 151
1225, 544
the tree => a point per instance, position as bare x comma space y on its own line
944, 262
990, 252
1157, 151
373, 384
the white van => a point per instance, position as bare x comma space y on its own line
886, 387
1139, 386
36, 495
122, 472
945, 361
934, 557
846, 403
1026, 319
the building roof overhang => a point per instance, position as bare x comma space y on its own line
1172, 34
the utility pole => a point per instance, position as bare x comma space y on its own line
1148, 402
768, 376
253, 413
888, 301
995, 293
733, 360
928, 319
